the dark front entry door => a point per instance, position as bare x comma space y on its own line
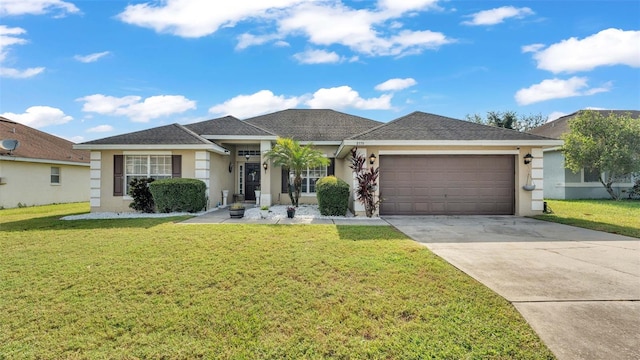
252, 180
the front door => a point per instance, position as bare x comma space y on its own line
252, 180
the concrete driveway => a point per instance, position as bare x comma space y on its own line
579, 289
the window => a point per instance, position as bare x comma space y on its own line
591, 175
55, 175
310, 177
145, 166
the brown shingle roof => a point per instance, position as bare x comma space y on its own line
36, 144
555, 129
227, 125
173, 134
313, 124
423, 126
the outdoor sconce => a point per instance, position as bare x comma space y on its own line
230, 167
265, 166
527, 159
372, 158
247, 156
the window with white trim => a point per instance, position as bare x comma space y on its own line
146, 166
309, 178
590, 176
55, 175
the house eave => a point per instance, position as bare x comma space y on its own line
43, 161
240, 137
346, 145
208, 147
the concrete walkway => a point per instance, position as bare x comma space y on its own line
579, 289
221, 216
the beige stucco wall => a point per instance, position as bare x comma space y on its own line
104, 177
29, 183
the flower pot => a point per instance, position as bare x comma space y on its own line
529, 187
236, 213
291, 213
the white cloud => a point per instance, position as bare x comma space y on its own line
532, 48
137, 110
556, 115
497, 15
342, 97
557, 89
262, 102
8, 38
606, 48
197, 18
396, 84
20, 74
374, 32
328, 25
39, 116
317, 57
400, 7
36, 7
100, 129
91, 57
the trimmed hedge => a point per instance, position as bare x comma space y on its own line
179, 195
333, 196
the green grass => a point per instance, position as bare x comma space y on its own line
617, 217
150, 288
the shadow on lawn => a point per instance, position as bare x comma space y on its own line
54, 223
593, 225
365, 232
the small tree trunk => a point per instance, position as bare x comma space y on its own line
297, 182
607, 186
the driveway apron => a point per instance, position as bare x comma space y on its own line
578, 289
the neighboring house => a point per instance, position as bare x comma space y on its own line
41, 169
562, 183
429, 164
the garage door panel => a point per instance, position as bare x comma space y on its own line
447, 184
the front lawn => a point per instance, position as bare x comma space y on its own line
150, 288
618, 217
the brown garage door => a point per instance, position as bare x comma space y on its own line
447, 184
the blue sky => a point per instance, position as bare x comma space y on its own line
90, 69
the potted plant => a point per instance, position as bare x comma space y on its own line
236, 210
257, 192
291, 212
264, 211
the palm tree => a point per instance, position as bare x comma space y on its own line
290, 155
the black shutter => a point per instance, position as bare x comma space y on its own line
331, 169
176, 166
285, 181
118, 175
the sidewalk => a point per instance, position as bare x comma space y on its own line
221, 216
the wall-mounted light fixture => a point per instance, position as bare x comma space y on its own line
230, 167
372, 158
247, 156
265, 166
527, 159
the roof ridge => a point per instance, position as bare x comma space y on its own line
193, 133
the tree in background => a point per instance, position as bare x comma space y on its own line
609, 145
509, 120
289, 154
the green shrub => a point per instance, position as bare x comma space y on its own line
142, 199
333, 196
179, 195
